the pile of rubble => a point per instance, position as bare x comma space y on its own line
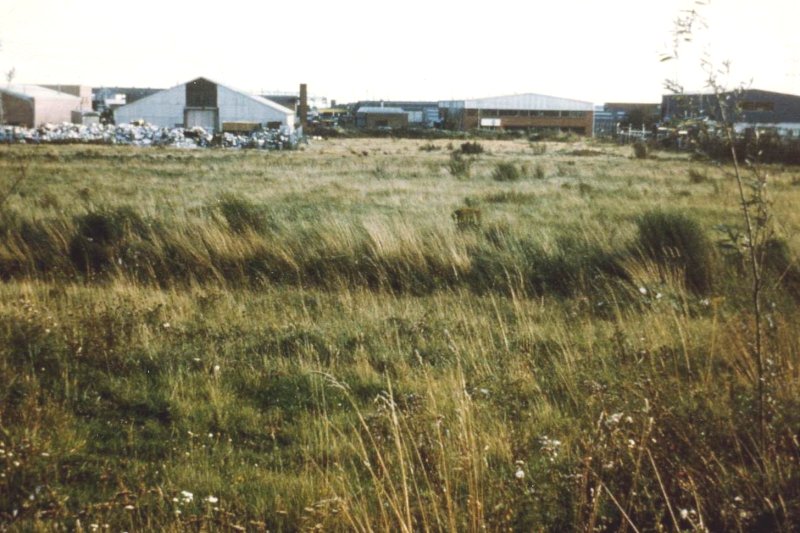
144, 135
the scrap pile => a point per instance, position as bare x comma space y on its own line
144, 135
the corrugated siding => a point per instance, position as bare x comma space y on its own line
531, 102
163, 108
239, 107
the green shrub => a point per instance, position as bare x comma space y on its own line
467, 218
640, 150
695, 176
676, 241
538, 172
101, 236
429, 147
505, 171
459, 166
241, 214
472, 148
538, 148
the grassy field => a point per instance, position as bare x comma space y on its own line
379, 335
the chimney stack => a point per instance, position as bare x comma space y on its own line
302, 110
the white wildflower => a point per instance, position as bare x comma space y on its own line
519, 474
614, 419
684, 514
187, 496
129, 507
642, 290
212, 499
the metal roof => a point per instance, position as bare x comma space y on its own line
384, 110
259, 99
529, 101
29, 92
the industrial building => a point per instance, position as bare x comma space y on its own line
747, 108
381, 117
420, 114
33, 105
205, 103
520, 112
609, 117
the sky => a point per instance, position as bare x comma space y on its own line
348, 50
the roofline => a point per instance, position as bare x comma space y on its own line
58, 94
713, 93
522, 94
258, 99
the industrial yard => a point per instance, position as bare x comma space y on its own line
375, 334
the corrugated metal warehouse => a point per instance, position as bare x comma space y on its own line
747, 108
205, 103
420, 113
520, 111
33, 105
84, 92
381, 117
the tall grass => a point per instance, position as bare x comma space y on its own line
330, 351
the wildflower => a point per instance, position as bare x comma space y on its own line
684, 514
642, 290
166, 325
614, 419
519, 474
129, 507
212, 499
187, 496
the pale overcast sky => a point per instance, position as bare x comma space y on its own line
417, 49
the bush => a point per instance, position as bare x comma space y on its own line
101, 235
428, 147
538, 172
640, 150
695, 176
241, 214
676, 241
467, 218
459, 166
538, 148
472, 148
505, 171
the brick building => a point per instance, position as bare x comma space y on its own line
520, 112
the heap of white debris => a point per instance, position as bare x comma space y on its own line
144, 135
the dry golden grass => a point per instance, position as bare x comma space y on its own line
340, 355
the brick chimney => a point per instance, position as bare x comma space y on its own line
302, 108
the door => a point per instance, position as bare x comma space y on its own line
205, 118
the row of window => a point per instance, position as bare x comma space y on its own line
491, 113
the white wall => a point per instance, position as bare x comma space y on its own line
166, 109
54, 110
163, 109
235, 106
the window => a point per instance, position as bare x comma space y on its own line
757, 106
